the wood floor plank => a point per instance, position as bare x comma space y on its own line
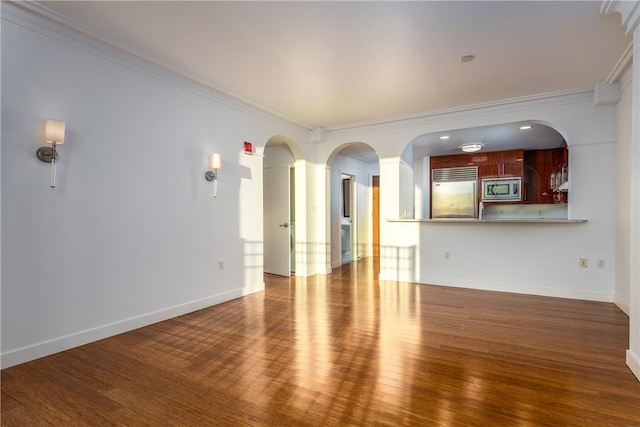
345, 349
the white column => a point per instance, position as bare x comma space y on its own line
399, 242
633, 353
311, 240
630, 13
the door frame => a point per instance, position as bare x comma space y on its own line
353, 215
375, 215
268, 228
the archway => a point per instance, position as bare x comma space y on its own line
352, 168
537, 141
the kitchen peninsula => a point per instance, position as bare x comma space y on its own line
492, 221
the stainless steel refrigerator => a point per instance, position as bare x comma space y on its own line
453, 193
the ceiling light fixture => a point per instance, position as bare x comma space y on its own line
471, 148
525, 127
467, 58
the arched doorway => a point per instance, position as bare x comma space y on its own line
537, 168
279, 213
353, 167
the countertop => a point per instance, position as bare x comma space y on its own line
492, 221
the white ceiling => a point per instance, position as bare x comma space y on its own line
338, 63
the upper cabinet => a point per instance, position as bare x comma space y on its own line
490, 165
453, 161
501, 164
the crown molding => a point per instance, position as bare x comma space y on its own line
564, 95
621, 66
39, 18
630, 11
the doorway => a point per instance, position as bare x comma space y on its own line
347, 219
349, 172
278, 210
375, 221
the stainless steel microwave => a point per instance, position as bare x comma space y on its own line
501, 189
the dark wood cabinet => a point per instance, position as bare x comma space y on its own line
544, 171
502, 164
490, 165
452, 161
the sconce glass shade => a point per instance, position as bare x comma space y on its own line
215, 162
54, 132
54, 135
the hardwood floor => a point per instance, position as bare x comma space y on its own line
345, 349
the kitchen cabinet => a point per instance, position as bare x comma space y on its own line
498, 164
452, 161
502, 164
544, 171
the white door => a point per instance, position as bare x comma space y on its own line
277, 244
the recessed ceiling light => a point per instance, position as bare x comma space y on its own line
444, 137
525, 127
467, 58
471, 148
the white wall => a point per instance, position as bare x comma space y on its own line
312, 233
633, 354
132, 234
539, 259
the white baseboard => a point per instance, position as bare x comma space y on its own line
633, 362
520, 289
56, 345
622, 305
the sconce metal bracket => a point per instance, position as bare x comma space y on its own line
47, 154
210, 175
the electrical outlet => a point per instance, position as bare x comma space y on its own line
600, 263
583, 263
447, 255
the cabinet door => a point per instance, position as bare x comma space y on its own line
540, 175
453, 161
487, 165
501, 164
512, 163
536, 178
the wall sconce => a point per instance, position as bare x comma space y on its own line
54, 135
212, 175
